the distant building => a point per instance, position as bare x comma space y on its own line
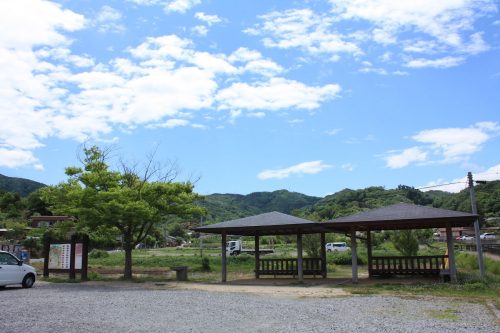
48, 221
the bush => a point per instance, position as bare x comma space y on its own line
344, 258
96, 254
205, 265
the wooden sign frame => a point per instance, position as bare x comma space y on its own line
84, 240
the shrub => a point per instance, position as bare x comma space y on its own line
205, 265
96, 254
344, 258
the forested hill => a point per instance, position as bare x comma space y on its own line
348, 201
224, 207
19, 185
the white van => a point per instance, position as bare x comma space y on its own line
337, 247
13, 271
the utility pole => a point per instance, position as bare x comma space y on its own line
201, 239
476, 225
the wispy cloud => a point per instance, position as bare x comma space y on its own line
444, 29
109, 19
444, 145
312, 167
208, 19
458, 184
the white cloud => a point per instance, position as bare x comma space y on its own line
180, 6
254, 62
208, 19
302, 28
456, 144
108, 19
444, 28
312, 167
458, 184
275, 94
200, 30
444, 145
14, 158
445, 62
444, 20
46, 90
396, 160
171, 123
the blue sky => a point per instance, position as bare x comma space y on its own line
309, 96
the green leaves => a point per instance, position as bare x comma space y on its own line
103, 199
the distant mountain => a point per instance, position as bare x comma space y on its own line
19, 185
224, 207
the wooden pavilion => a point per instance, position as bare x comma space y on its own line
395, 217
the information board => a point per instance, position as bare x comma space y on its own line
60, 254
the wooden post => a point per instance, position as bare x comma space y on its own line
85, 258
224, 261
323, 256
300, 268
72, 257
46, 250
369, 249
354, 257
257, 256
451, 254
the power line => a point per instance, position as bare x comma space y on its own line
425, 187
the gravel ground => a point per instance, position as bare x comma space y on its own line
135, 308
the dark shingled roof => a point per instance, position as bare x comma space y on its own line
394, 217
403, 216
273, 223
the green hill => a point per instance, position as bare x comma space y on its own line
19, 185
224, 207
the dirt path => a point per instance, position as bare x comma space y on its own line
277, 291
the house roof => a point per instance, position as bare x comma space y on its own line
273, 223
51, 218
402, 216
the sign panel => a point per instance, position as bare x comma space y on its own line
60, 254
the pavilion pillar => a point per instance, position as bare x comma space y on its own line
224, 259
323, 255
300, 267
369, 250
451, 254
257, 256
354, 257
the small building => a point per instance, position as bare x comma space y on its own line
48, 221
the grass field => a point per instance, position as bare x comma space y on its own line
154, 265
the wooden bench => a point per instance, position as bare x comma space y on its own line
407, 265
289, 266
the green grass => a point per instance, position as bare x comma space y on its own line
446, 314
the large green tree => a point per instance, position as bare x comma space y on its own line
130, 200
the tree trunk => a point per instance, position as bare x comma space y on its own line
128, 246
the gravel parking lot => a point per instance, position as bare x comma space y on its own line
139, 308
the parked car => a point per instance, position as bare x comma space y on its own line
337, 247
14, 271
467, 237
488, 235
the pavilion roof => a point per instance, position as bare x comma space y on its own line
273, 223
401, 216
393, 217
